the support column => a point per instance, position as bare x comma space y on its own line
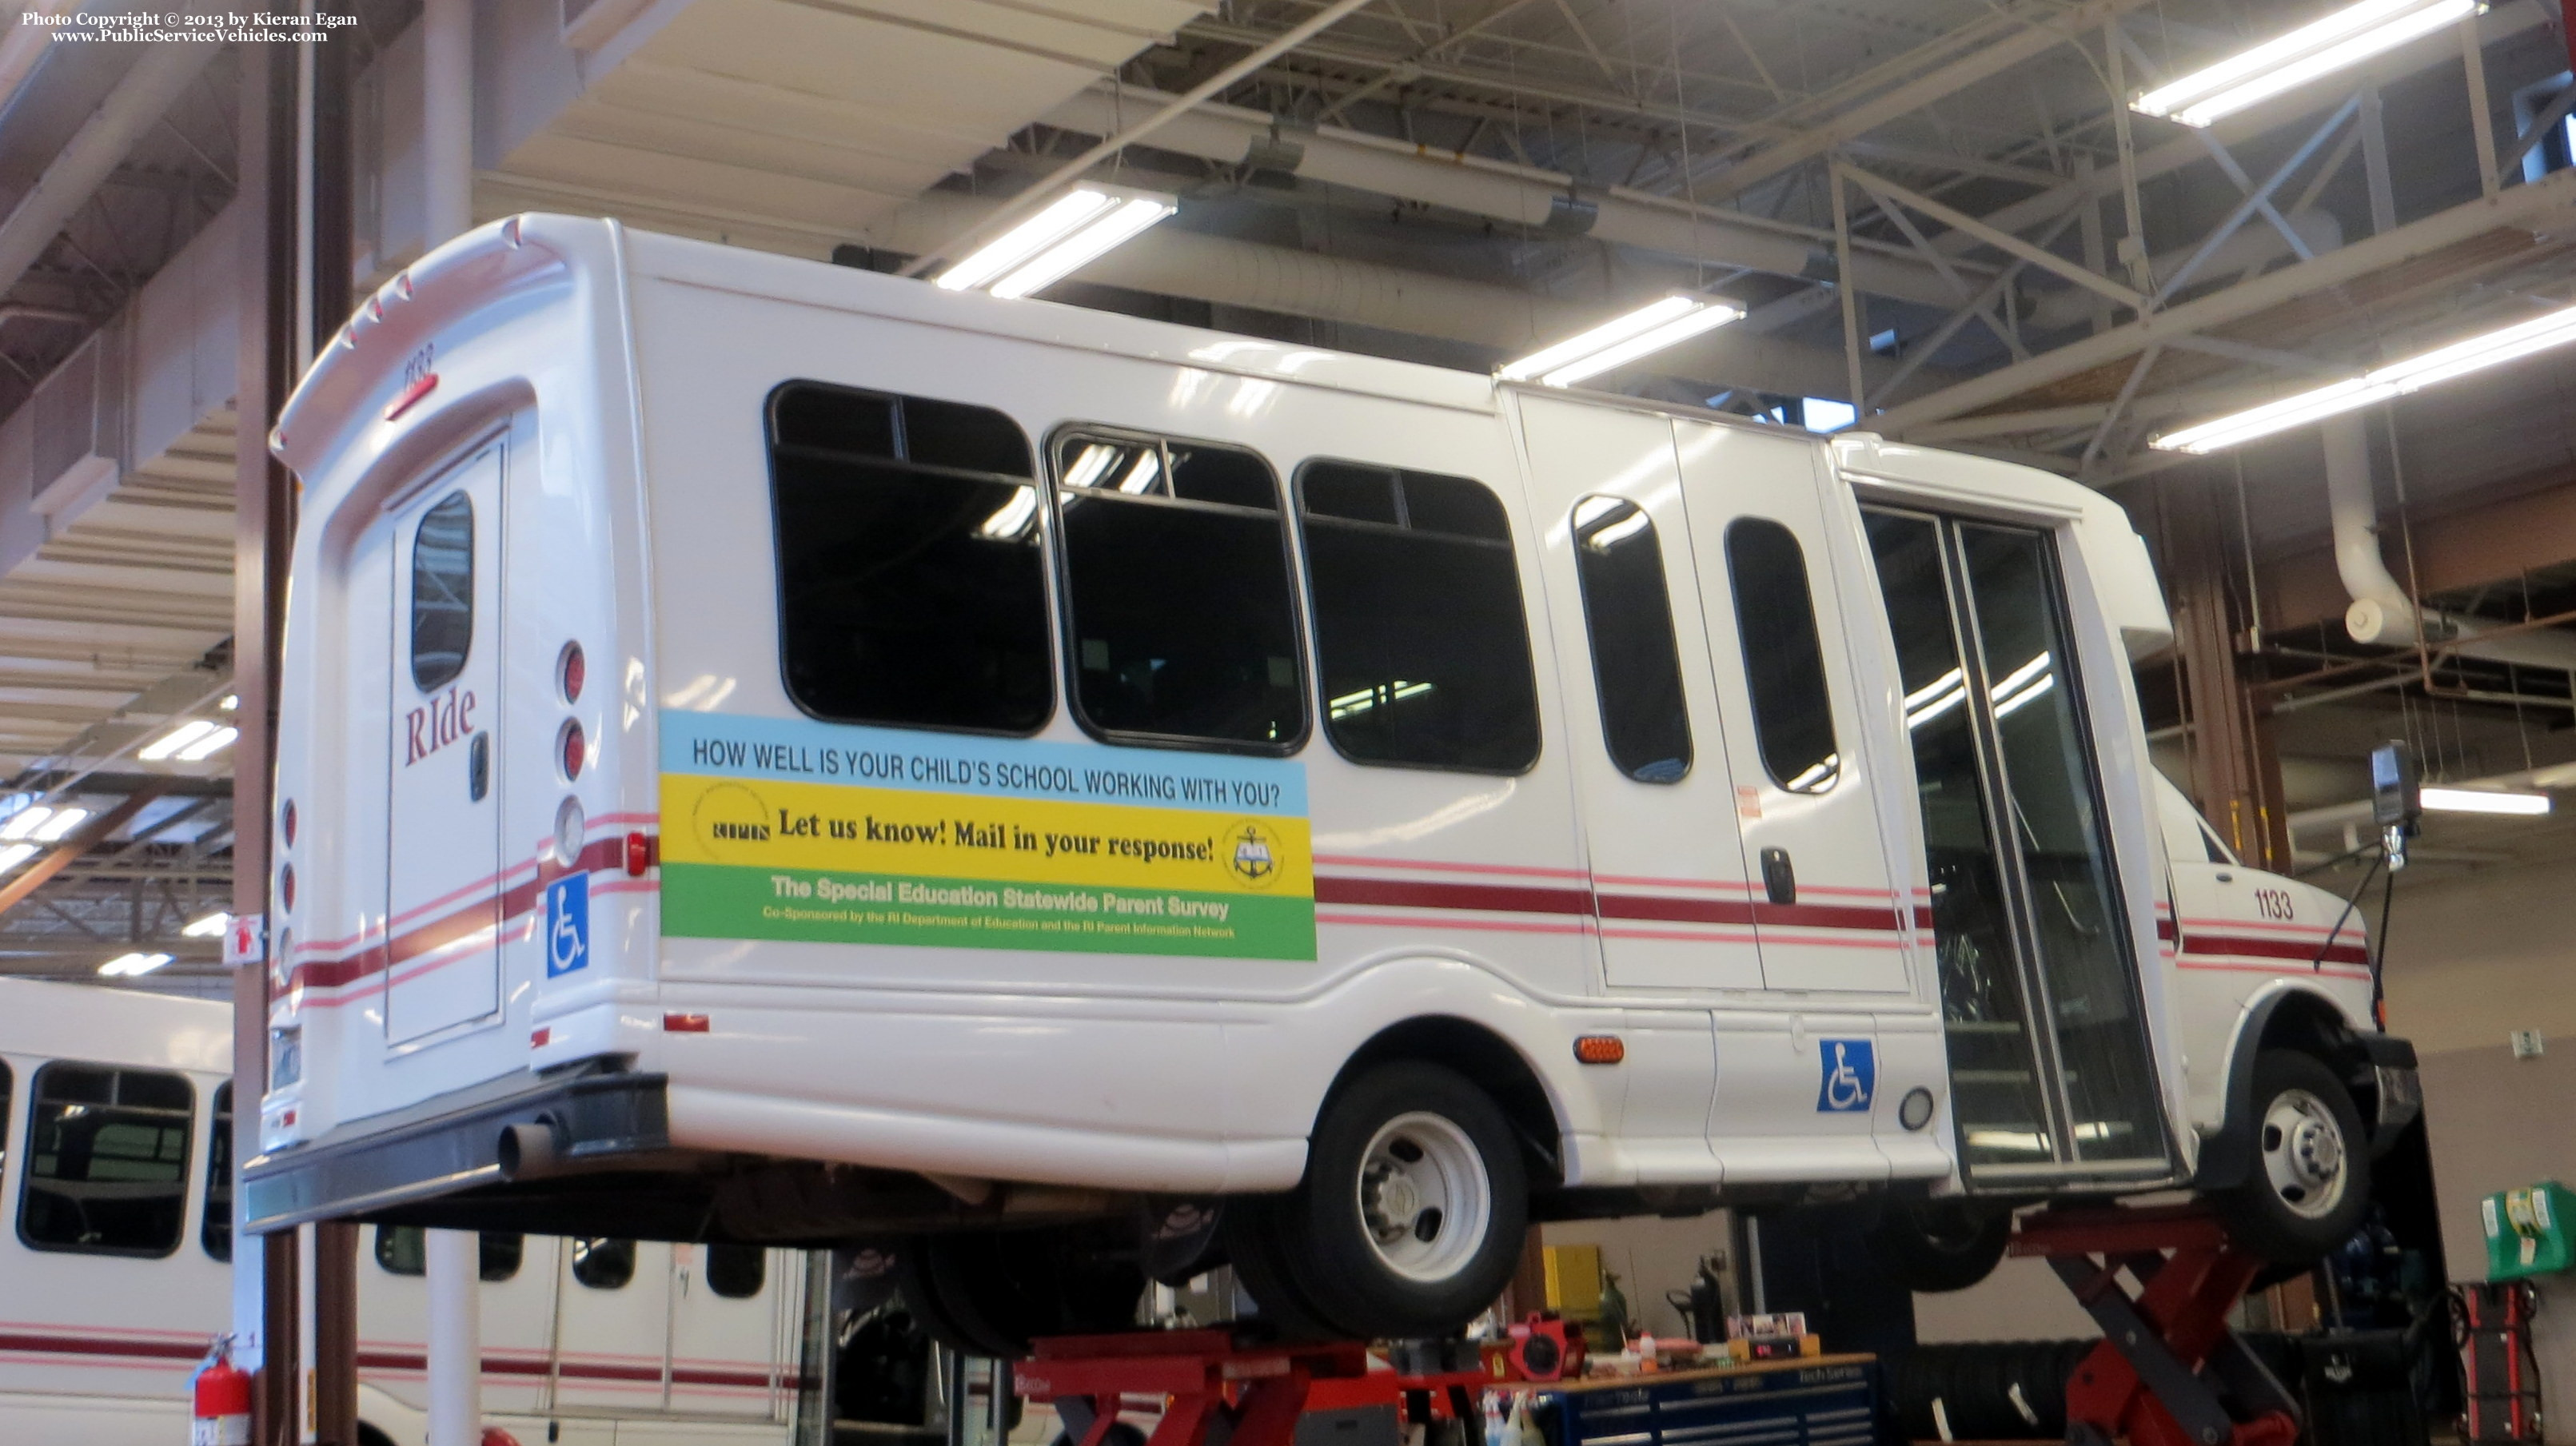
455, 1337
2235, 767
264, 524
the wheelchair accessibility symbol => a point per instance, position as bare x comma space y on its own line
567, 924
1848, 1075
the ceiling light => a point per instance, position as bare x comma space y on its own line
2481, 800
16, 854
25, 821
174, 740
231, 702
1069, 234
209, 745
2393, 380
128, 965
63, 822
207, 926
2339, 41
1650, 328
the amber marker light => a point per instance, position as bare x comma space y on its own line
1600, 1049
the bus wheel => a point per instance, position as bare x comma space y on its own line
1935, 1246
2309, 1181
1411, 1216
991, 1292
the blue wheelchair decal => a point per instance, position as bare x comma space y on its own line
1847, 1072
567, 924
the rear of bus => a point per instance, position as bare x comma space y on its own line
462, 859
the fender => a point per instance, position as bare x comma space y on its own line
2225, 1156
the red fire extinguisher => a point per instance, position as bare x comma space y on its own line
222, 1391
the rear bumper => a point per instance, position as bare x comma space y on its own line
452, 1144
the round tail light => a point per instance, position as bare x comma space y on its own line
572, 749
570, 671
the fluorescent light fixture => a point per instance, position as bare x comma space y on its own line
126, 966
1074, 230
174, 740
2396, 379
25, 821
1648, 329
16, 854
2480, 800
208, 926
2341, 40
63, 822
209, 745
231, 702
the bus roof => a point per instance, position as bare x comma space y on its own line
115, 1026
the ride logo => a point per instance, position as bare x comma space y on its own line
437, 723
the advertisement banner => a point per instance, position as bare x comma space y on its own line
777, 828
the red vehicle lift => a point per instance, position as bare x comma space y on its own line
1257, 1391
2169, 1371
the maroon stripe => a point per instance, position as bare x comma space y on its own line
2167, 930
601, 855
1665, 906
399, 1360
2302, 950
1923, 916
102, 1346
1826, 916
1429, 894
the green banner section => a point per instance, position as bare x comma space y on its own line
734, 901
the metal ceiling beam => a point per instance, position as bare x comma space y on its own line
2520, 207
2059, 28
92, 834
135, 104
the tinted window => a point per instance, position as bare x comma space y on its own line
497, 1256
404, 1250
1418, 623
442, 592
215, 1230
911, 589
6, 1082
1181, 621
603, 1264
1793, 719
736, 1271
1636, 665
107, 1160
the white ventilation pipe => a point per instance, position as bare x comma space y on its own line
1546, 201
2381, 613
104, 140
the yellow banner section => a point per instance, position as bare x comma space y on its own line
768, 823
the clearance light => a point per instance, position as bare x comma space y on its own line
208, 926
1648, 329
126, 966
1085, 224
2396, 379
2340, 41
2479, 800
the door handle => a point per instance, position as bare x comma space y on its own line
478, 767
1779, 876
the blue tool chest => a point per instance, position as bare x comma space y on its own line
1825, 1401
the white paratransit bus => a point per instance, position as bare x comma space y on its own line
115, 1169
777, 753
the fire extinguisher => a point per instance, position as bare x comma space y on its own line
222, 1392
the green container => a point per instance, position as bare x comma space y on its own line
2528, 1231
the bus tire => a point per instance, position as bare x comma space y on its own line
1938, 1246
991, 1292
1415, 1202
2308, 1182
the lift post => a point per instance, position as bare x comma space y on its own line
2169, 1371
1255, 1392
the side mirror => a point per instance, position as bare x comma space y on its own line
2396, 798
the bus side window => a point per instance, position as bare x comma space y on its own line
1181, 618
216, 1231
603, 1264
6, 1098
1628, 616
1419, 629
107, 1160
404, 1250
911, 588
1775, 614
736, 1272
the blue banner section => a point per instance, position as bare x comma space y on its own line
729, 745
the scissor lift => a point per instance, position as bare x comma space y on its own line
2169, 1371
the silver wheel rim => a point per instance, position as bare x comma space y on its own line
1425, 1200
2305, 1156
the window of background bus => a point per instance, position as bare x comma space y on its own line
1418, 622
911, 590
107, 1160
215, 1232
1181, 620
404, 1250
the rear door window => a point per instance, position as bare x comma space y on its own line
442, 592
1775, 614
107, 1160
